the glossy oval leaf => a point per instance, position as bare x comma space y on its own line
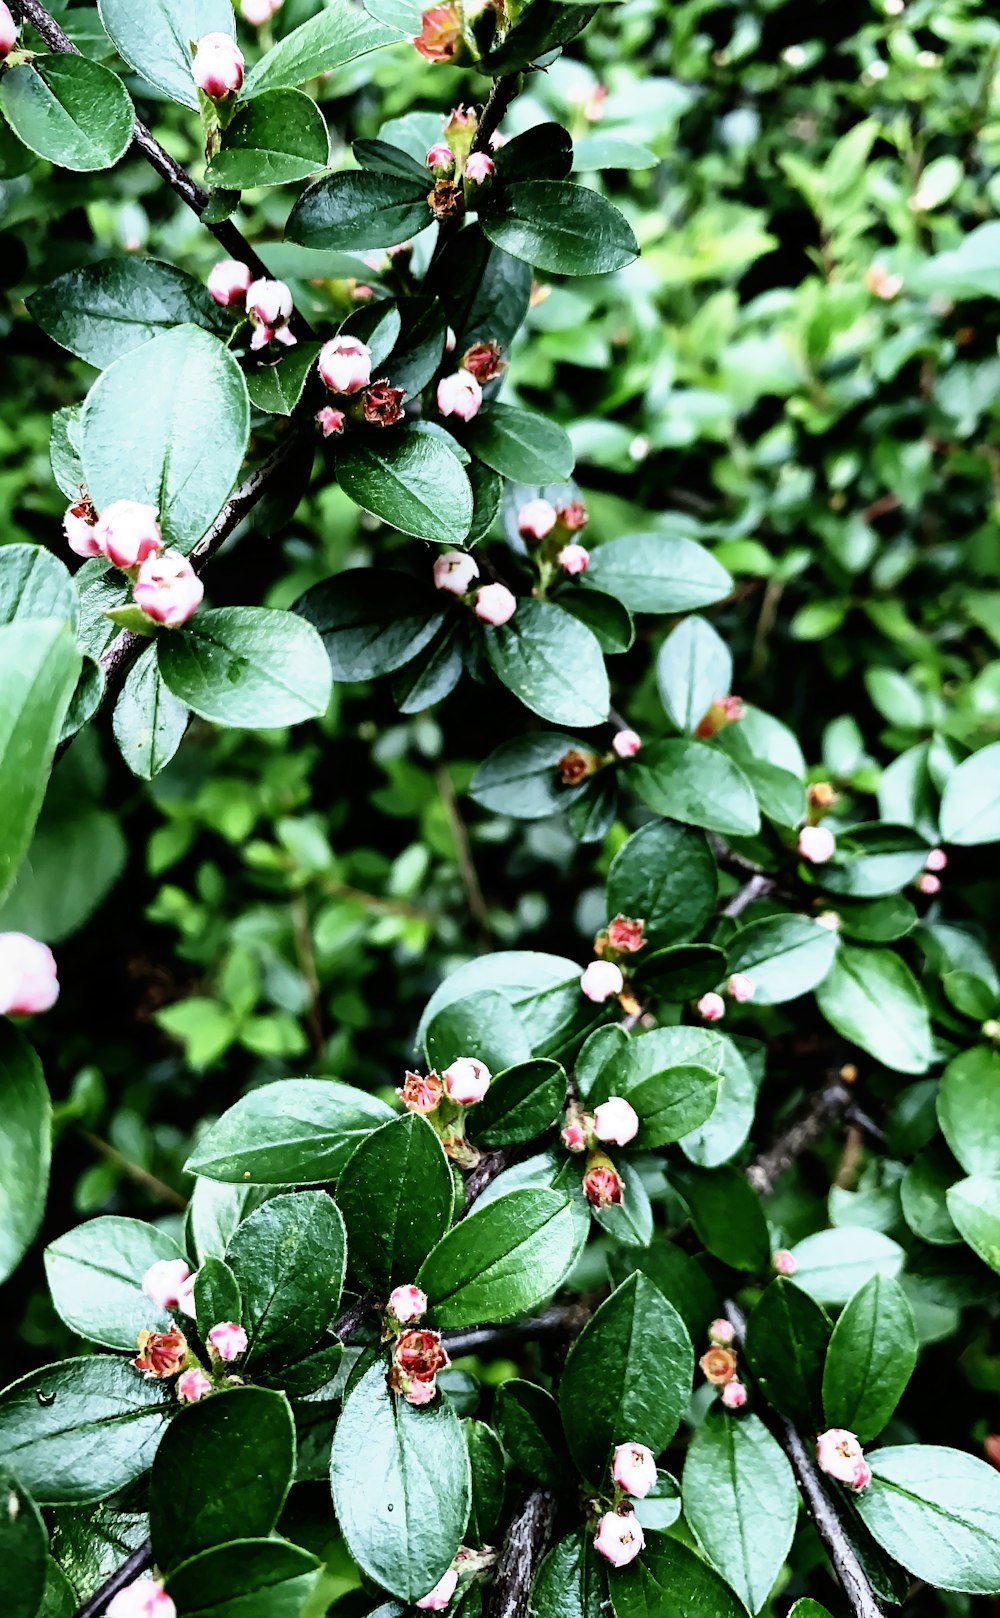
276, 138
39, 668
657, 573
102, 311
502, 1261
518, 444
871, 998
292, 1132
288, 1258
372, 620
970, 806
409, 479
741, 1501
563, 228
247, 667
968, 1109
25, 1146
358, 211
69, 109
95, 1275
148, 721
395, 1193
936, 1511
784, 956
552, 663
335, 36
871, 1357
694, 783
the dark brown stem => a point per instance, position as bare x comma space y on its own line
827, 1105
556, 1322
500, 97
353, 1317
489, 1166
524, 1546
756, 887
137, 1563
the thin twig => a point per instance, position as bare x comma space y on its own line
149, 1182
756, 887
524, 1546
130, 1569
500, 97
828, 1104
463, 853
555, 1322
302, 934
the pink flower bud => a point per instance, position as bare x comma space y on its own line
536, 519
602, 1184
229, 282
440, 1597
817, 844
929, 884
421, 1093
128, 532
259, 12
330, 421
478, 168
185, 1298
28, 981
741, 987
734, 1395
840, 1456
495, 604
712, 1007
718, 1365
78, 525
193, 1385
600, 980
407, 1304
345, 364
145, 1598
785, 1263
830, 920
454, 571
168, 589
227, 1341
573, 516
626, 935
573, 559
619, 1537
634, 1469
218, 66
936, 860
163, 1281
615, 1121
440, 36
441, 160
721, 1333
626, 743
459, 395
269, 305
8, 31
574, 1136
467, 1080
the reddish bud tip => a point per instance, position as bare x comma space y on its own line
741, 987
127, 532
421, 1093
440, 1597
168, 590
382, 405
229, 282
711, 1007
721, 1333
78, 526
417, 1357
227, 1341
269, 305
407, 1304
345, 364
28, 980
536, 519
574, 1135
161, 1353
484, 361
193, 1385
626, 935
627, 743
734, 1395
785, 1263
936, 860
217, 67
330, 421
479, 168
573, 559
164, 1281
8, 31
145, 1598
602, 1184
259, 12
440, 36
929, 884
467, 1080
440, 160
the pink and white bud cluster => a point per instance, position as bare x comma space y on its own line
614, 1123
459, 395
217, 68
170, 1285
479, 168
495, 604
8, 31
145, 1598
840, 1456
619, 1537
817, 844
168, 590
127, 532
454, 572
345, 364
28, 980
719, 1365
407, 1304
227, 1341
626, 743
734, 1395
930, 883
259, 12
600, 980
634, 1469
467, 1080
439, 1598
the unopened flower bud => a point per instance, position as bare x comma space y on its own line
421, 1093
572, 516
440, 160
440, 36
144, 1598
817, 844
484, 361
601, 980
619, 1537
573, 559
269, 305
330, 421
382, 405
8, 31
78, 526
161, 1353
718, 1365
454, 572
626, 935
168, 589
821, 795
229, 282
840, 1456
536, 519
345, 364
217, 67
479, 168
784, 1262
227, 1341
721, 1333
830, 920
602, 1184
936, 860
626, 743
193, 1385
440, 1597
616, 1121
734, 1395
407, 1304
495, 604
929, 884
467, 1080
711, 1007
724, 711
163, 1281
741, 987
259, 12
28, 981
883, 283
185, 1298
575, 766
128, 532
417, 1357
574, 1135
634, 1469
459, 395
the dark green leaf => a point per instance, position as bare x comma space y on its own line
696, 784
278, 137
483, 1025
784, 956
871, 998
833, 1264
521, 777
157, 40
39, 666
679, 1277
521, 1104
727, 1216
359, 210
249, 1578
288, 1259
657, 573
527, 1420
247, 667
937, 1511
277, 388
502, 1261
543, 989
968, 1109
552, 663
664, 875
544, 152
740, 1498
149, 721
95, 1275
485, 292
71, 110
335, 36
974, 1205
570, 1582
372, 621
395, 1194
606, 618
102, 311
694, 668
24, 1546
25, 1147
563, 228
216, 1296
786, 1342
970, 807
294, 1132
681, 971
670, 1581
430, 678
871, 1358
518, 444
409, 479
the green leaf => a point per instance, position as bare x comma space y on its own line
832, 1264
157, 40
429, 679
728, 1124
277, 388
679, 1277
25, 1147
871, 998
974, 1205
411, 480
335, 36
245, 1436
664, 875
552, 663
727, 1216
277, 138
168, 424
484, 291
694, 668
39, 667
968, 1109
102, 311
878, 860
149, 721
483, 1025
521, 777
595, 152
937, 1511
923, 1193
400, 1530
970, 806
527, 1419
95, 1276
555, 226
69, 109
657, 573
247, 667
570, 1581
682, 971
670, 1581
76, 856
35, 584
518, 444
627, 1379
786, 1343
249, 1578
24, 1545
289, 1260
83, 1429
520, 1104
293, 1132
488, 1480
871, 1358
216, 1296
785, 956
502, 1261
604, 616
359, 210
741, 1501
395, 1193
372, 621
694, 783
540, 28
671, 1078
543, 989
